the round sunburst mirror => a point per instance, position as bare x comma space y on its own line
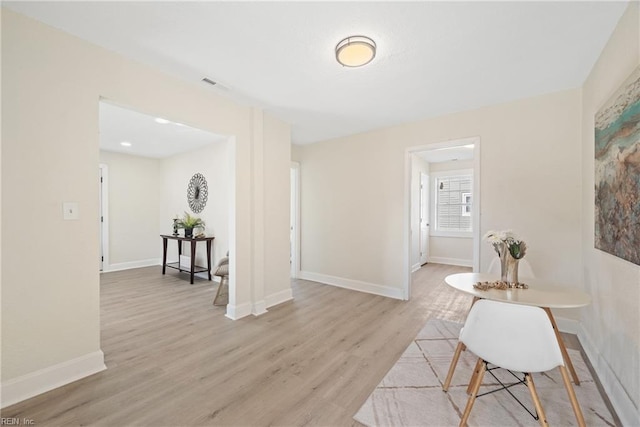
197, 193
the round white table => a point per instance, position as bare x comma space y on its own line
540, 294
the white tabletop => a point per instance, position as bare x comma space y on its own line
540, 293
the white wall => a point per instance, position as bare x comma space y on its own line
212, 161
451, 250
451, 166
51, 87
611, 324
134, 197
145, 194
353, 192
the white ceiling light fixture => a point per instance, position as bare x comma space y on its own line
125, 144
355, 51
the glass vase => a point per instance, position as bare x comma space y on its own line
510, 270
503, 254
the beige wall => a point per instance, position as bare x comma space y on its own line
277, 165
133, 200
351, 210
452, 250
353, 190
212, 161
611, 324
51, 87
451, 166
295, 153
145, 194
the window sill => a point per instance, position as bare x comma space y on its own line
456, 234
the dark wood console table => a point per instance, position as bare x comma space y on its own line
193, 241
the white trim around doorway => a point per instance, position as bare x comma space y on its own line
295, 220
406, 253
104, 216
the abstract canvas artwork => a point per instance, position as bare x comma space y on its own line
617, 172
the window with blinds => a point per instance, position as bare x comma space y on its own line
453, 203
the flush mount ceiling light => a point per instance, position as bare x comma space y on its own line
125, 144
355, 51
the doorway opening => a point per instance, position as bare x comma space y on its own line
442, 206
146, 164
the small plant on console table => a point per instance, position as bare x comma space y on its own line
189, 222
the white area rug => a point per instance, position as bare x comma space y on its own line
411, 392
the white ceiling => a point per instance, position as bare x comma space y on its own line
147, 137
433, 58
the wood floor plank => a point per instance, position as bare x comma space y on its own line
174, 359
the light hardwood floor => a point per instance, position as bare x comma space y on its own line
174, 360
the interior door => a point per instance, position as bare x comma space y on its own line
424, 218
101, 260
292, 225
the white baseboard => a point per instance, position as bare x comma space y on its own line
451, 261
569, 326
278, 298
259, 308
131, 264
415, 267
356, 285
623, 405
235, 312
43, 380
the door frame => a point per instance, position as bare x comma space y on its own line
476, 205
425, 210
104, 216
295, 220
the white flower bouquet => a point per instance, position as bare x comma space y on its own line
506, 240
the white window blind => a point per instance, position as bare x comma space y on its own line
453, 203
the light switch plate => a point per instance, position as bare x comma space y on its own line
70, 210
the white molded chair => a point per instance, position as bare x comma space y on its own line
494, 267
524, 268
518, 338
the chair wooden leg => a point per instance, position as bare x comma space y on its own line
476, 370
456, 355
572, 396
542, 418
474, 393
